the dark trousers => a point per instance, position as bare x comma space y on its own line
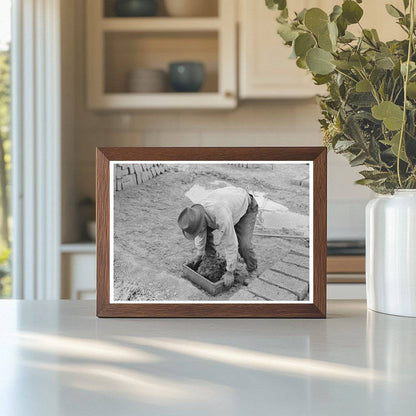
244, 230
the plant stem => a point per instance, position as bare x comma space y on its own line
406, 80
369, 41
373, 89
397, 95
345, 75
392, 90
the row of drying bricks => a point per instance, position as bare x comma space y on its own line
134, 174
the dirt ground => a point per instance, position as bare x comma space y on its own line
149, 248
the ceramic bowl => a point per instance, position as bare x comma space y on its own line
186, 76
135, 8
147, 80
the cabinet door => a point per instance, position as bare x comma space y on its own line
265, 68
78, 276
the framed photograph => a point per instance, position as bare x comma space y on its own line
211, 232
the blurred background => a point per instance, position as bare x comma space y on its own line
97, 73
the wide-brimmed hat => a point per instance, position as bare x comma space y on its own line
191, 221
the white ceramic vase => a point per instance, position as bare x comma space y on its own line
391, 253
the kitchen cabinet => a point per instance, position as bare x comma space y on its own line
78, 263
265, 70
116, 46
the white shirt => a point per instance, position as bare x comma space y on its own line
224, 207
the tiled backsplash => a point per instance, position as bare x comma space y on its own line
287, 123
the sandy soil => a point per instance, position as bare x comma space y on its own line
149, 248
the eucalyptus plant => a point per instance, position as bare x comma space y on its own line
369, 112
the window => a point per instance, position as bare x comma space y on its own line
5, 144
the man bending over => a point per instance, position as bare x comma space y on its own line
228, 215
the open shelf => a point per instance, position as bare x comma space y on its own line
116, 46
80, 247
211, 9
127, 51
130, 101
160, 24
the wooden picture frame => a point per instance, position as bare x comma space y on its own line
315, 308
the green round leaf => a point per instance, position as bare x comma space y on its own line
321, 79
385, 63
301, 63
342, 64
324, 42
347, 37
364, 181
276, 4
319, 61
351, 11
363, 86
375, 35
333, 32
391, 114
403, 66
368, 36
358, 61
286, 32
411, 90
327, 40
284, 14
300, 16
342, 25
316, 20
336, 12
393, 11
303, 43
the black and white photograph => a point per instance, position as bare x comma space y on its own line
211, 232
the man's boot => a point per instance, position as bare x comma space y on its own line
252, 275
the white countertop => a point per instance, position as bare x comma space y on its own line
57, 359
